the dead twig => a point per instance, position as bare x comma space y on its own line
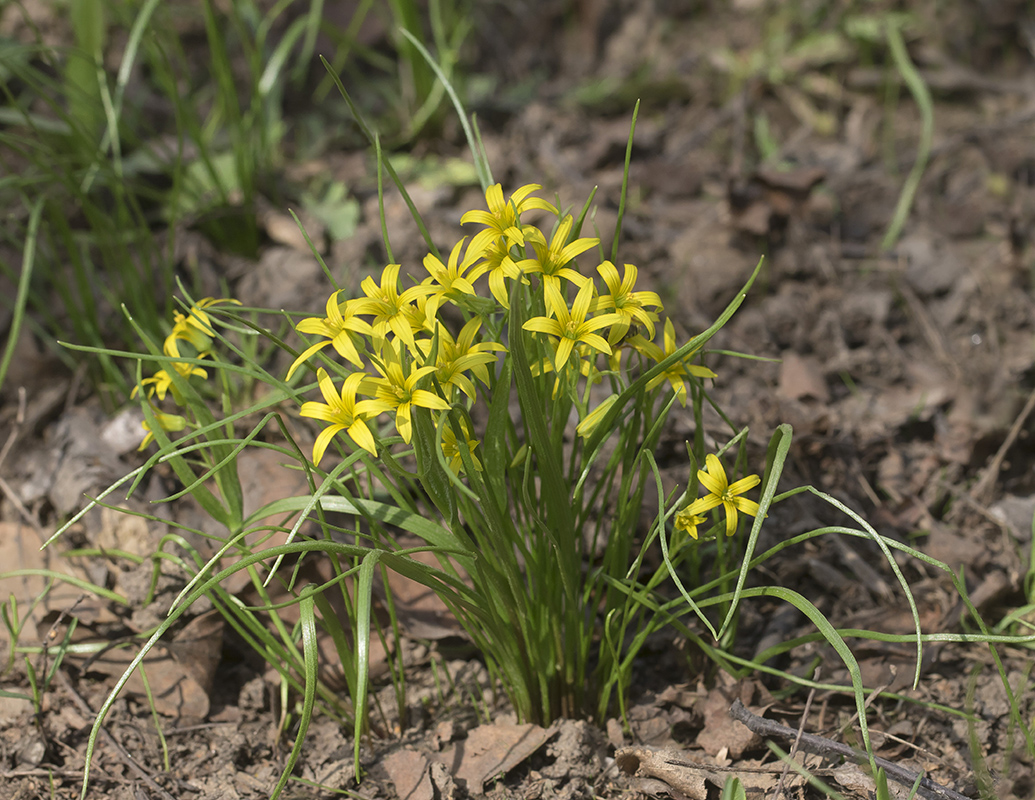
827, 748
984, 484
19, 420
686, 777
932, 333
140, 772
797, 739
5, 487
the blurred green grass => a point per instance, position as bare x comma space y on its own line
153, 117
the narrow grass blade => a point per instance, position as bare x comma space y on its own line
480, 165
779, 446
364, 603
307, 622
24, 282
371, 135
922, 96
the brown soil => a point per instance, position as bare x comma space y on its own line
906, 373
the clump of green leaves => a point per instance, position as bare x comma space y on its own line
181, 134
502, 405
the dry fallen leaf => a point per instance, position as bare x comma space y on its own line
493, 750
686, 778
802, 377
408, 771
722, 732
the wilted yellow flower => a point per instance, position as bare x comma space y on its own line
167, 422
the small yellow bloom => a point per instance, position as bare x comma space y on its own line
196, 326
420, 320
722, 493
162, 381
197, 316
388, 305
397, 388
687, 521
572, 327
451, 448
167, 422
552, 259
343, 412
500, 266
503, 217
677, 372
339, 327
456, 357
621, 299
447, 281
184, 330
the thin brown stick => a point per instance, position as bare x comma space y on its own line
827, 748
932, 333
19, 420
12, 437
991, 473
797, 739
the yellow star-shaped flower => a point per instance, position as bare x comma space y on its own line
500, 267
339, 329
687, 521
455, 357
621, 299
676, 373
722, 493
551, 260
343, 412
448, 281
504, 218
388, 305
572, 327
162, 381
397, 388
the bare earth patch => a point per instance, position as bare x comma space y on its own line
906, 374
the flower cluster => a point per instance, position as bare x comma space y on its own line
425, 367
191, 332
405, 355
720, 493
